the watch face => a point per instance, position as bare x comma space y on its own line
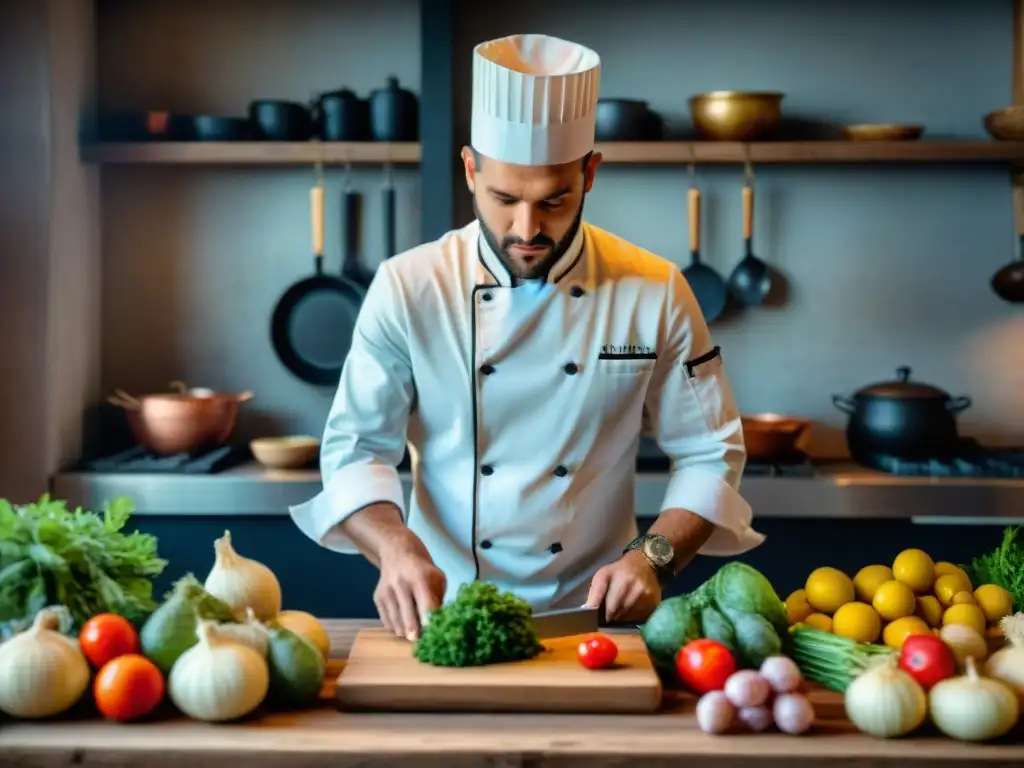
659, 549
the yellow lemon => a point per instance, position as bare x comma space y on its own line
857, 621
968, 615
915, 569
869, 579
827, 589
994, 601
947, 586
945, 569
797, 607
963, 598
894, 600
819, 621
897, 631
928, 608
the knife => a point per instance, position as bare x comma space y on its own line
570, 621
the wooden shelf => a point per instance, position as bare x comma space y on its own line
619, 153
798, 152
251, 153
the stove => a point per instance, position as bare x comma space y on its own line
139, 460
970, 459
650, 458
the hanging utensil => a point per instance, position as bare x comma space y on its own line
751, 280
1008, 282
311, 328
389, 212
707, 285
351, 252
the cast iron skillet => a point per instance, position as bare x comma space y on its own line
311, 328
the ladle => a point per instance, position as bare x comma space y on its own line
751, 280
1008, 282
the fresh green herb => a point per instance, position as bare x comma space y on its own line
1003, 566
50, 555
831, 660
481, 626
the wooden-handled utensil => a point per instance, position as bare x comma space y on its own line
751, 280
707, 285
311, 328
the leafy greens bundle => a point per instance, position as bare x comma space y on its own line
50, 555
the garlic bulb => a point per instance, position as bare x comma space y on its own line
973, 708
1007, 664
219, 678
885, 701
243, 583
42, 672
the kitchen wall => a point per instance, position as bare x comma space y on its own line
49, 273
195, 258
24, 268
885, 266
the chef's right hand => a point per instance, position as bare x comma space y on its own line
410, 587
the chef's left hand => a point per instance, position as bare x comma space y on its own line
628, 588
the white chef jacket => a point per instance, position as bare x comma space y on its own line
522, 408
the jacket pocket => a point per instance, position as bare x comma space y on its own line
705, 376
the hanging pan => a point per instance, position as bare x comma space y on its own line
312, 325
707, 285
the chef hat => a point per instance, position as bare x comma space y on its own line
534, 100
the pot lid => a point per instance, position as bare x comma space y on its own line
902, 386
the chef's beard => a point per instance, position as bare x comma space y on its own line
536, 269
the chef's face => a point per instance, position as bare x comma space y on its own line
529, 214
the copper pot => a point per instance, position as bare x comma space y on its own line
182, 421
772, 436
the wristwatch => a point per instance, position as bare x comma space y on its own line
659, 553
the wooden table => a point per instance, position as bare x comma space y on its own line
324, 736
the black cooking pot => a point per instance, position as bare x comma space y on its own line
902, 419
626, 120
343, 116
394, 113
275, 120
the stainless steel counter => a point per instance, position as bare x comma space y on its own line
837, 491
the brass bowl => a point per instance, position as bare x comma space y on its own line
736, 115
288, 452
1006, 124
772, 436
884, 132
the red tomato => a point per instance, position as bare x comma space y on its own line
597, 652
107, 636
127, 688
927, 659
705, 665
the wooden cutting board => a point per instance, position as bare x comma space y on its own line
381, 674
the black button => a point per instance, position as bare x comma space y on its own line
486, 296
486, 470
486, 369
575, 291
571, 368
555, 548
561, 471
485, 544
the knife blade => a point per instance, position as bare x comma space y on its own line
569, 621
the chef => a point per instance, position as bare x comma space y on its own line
519, 358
